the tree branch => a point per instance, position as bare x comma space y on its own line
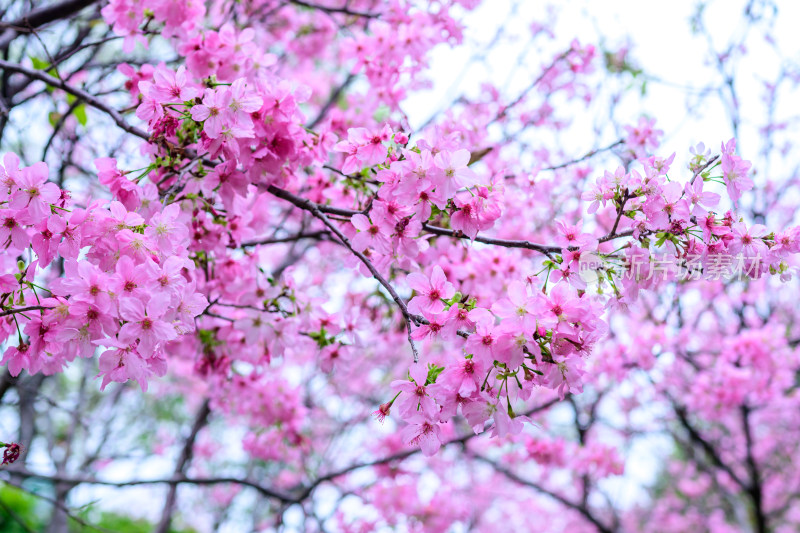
39, 17
300, 493
697, 438
584, 157
331, 100
175, 480
315, 210
306, 205
23, 309
306, 491
754, 490
333, 10
81, 94
583, 510
316, 235
201, 419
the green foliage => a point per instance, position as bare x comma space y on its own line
433, 373
118, 523
38, 63
19, 506
381, 114
80, 114
322, 338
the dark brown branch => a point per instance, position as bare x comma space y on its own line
23, 309
582, 509
620, 210
544, 249
315, 210
317, 235
185, 457
333, 10
115, 115
706, 446
40, 17
754, 490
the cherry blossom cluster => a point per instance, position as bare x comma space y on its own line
524, 341
676, 219
278, 241
101, 276
192, 258
541, 337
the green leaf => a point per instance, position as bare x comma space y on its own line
381, 114
80, 114
39, 64
433, 373
455, 299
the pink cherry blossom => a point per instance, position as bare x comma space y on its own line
430, 291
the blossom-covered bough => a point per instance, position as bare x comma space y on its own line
256, 228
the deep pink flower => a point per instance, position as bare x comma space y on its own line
35, 194
414, 395
145, 323
430, 291
120, 363
369, 235
214, 112
11, 231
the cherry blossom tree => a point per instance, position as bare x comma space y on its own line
246, 281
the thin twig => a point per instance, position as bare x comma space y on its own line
23, 309
333, 10
315, 210
88, 98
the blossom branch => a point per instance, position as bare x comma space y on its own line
436, 230
703, 168
315, 210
